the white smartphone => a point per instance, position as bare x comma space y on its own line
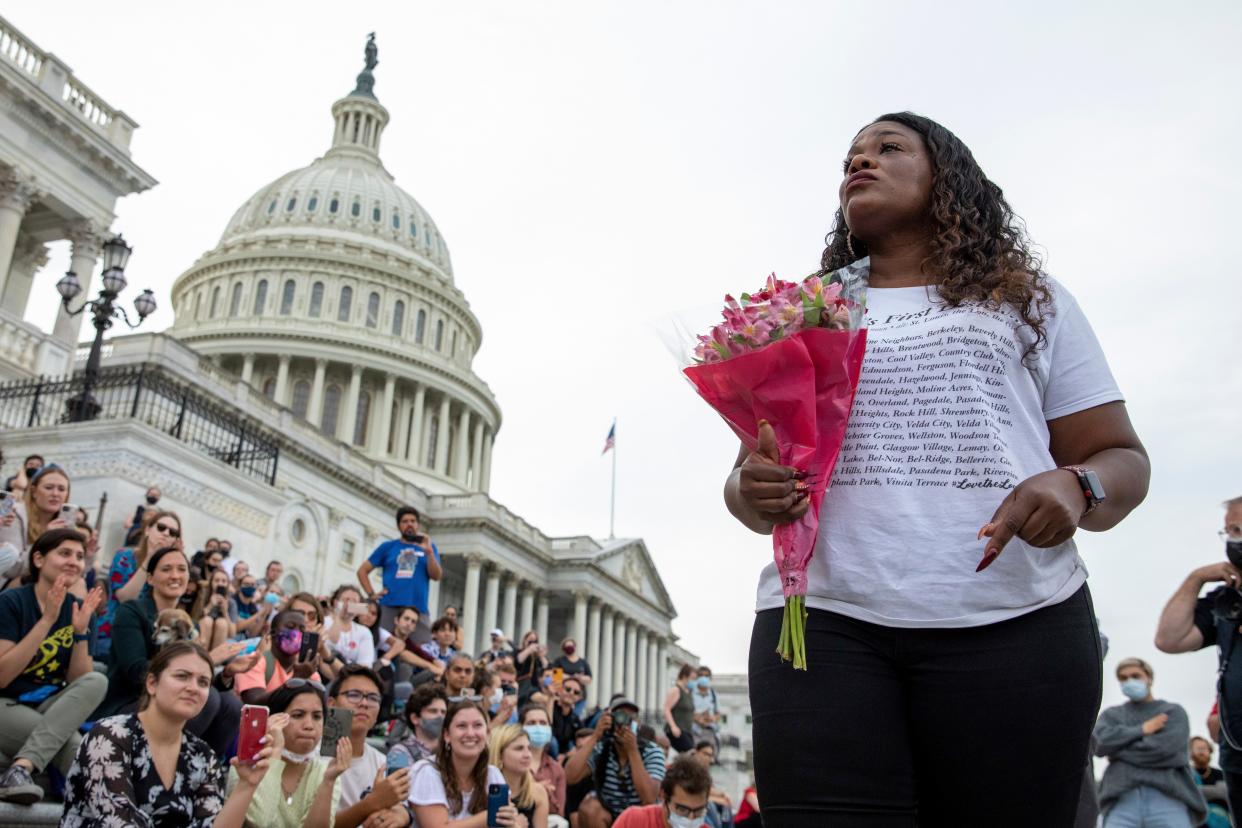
69, 514
6, 504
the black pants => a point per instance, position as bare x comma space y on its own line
1233, 784
929, 727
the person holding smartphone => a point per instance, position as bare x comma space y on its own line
408, 565
146, 768
211, 609
299, 791
452, 789
37, 511
349, 641
367, 792
281, 660
510, 749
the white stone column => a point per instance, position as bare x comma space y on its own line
655, 693
579, 629
442, 437
662, 676
403, 426
476, 456
281, 395
485, 478
433, 601
603, 669
508, 612
416, 439
28, 259
491, 599
87, 240
592, 652
247, 368
526, 618
631, 659
17, 193
461, 469
618, 655
469, 617
314, 409
541, 619
345, 428
385, 418
640, 681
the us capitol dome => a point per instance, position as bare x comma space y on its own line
331, 291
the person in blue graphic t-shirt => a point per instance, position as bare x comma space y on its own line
408, 565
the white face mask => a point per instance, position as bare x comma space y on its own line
679, 821
299, 758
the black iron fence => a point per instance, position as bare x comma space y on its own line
148, 395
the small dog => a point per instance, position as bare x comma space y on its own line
173, 625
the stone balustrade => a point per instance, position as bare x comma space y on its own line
26, 351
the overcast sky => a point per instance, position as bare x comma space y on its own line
595, 165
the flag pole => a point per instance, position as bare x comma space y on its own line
612, 512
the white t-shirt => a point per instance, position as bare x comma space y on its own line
947, 420
359, 777
427, 788
355, 646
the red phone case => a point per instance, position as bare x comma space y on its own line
253, 727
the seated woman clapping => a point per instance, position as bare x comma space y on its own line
153, 620
451, 789
510, 751
299, 789
48, 686
145, 769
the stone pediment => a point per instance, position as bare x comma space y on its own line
628, 561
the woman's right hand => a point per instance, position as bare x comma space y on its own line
56, 599
776, 493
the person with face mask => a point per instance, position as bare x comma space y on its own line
424, 718
1146, 742
133, 526
548, 772
706, 709
408, 565
683, 790
282, 661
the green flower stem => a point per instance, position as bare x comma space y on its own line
792, 644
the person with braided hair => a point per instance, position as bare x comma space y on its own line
945, 595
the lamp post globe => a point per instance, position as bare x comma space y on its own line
68, 287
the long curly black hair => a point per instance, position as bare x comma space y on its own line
980, 251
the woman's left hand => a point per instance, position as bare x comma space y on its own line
84, 611
275, 737
340, 762
507, 816
252, 775
1043, 510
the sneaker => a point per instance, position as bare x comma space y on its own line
17, 786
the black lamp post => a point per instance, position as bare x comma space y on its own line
83, 406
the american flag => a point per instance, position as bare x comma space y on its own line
611, 442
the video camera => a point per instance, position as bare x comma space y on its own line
1228, 606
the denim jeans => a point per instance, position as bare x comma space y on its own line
1145, 807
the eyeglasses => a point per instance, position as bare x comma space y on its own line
171, 531
688, 812
473, 699
358, 697
1230, 533
572, 691
295, 683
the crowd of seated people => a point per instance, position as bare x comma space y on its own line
124, 691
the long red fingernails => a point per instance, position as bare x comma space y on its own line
986, 529
988, 557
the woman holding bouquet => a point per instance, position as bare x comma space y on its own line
953, 660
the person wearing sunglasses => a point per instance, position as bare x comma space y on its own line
365, 789
127, 574
565, 721
684, 789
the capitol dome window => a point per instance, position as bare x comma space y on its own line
362, 418
286, 298
347, 299
331, 409
316, 302
398, 318
375, 213
334, 205
271, 208
260, 297
198, 306
293, 203
312, 203
301, 398
215, 301
396, 220
420, 326
235, 300
453, 347
373, 302
414, 229
356, 209
439, 334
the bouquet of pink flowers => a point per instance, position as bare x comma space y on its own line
788, 355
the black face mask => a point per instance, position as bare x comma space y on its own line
152, 500
1233, 551
31, 471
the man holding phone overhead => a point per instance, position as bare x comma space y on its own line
408, 564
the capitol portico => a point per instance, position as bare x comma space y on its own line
317, 376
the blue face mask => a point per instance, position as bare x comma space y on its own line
704, 683
247, 591
1135, 689
540, 735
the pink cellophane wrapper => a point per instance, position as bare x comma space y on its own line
804, 387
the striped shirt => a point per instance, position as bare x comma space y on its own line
618, 791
